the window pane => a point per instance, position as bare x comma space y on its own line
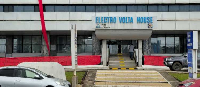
7, 72
8, 8
26, 48
131, 8
154, 48
26, 39
29, 74
17, 40
80, 8
68, 49
121, 8
161, 44
173, 8
2, 48
49, 8
17, 48
68, 39
152, 8
194, 7
1, 8
112, 8
72, 9
62, 48
19, 73
88, 48
80, 49
36, 48
101, 8
18, 8
36, 40
90, 8
179, 44
61, 40
142, 8
162, 8
88, 40
80, 40
184, 8
28, 8
2, 40
61, 8
170, 44
36, 9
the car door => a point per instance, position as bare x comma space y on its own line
26, 79
6, 77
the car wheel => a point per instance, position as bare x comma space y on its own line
171, 68
176, 66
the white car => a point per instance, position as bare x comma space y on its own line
16, 76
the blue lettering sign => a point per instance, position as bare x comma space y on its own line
190, 40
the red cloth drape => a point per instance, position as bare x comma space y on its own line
43, 25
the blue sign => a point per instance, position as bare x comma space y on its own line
190, 40
190, 63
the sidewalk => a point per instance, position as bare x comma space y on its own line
151, 67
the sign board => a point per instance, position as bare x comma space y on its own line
74, 46
192, 46
108, 22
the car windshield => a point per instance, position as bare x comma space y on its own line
38, 71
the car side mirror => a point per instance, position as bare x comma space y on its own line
185, 56
37, 77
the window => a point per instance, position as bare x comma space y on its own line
184, 8
18, 8
49, 8
28, 8
121, 8
2, 44
169, 43
152, 8
72, 9
1, 8
61, 8
163, 8
26, 44
36, 9
112, 8
173, 8
142, 8
8, 8
17, 44
80, 8
36, 44
101, 8
7, 72
194, 8
90, 8
19, 73
131, 8
30, 74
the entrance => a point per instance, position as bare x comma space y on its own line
120, 46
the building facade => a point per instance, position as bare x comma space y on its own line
20, 26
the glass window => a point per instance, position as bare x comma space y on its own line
80, 8
88, 40
7, 72
154, 44
72, 8
112, 8
121, 8
131, 8
80, 49
49, 8
17, 44
194, 7
36, 40
61, 48
152, 8
61, 40
160, 44
1, 8
61, 8
80, 40
90, 8
8, 8
36, 48
163, 8
26, 44
19, 73
173, 8
26, 39
68, 39
88, 48
142, 8
29, 74
18, 8
101, 8
184, 8
2, 44
36, 9
170, 44
28, 8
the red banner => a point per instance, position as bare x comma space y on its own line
43, 25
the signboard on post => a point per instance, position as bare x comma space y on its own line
74, 47
192, 46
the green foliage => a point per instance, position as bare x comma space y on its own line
69, 76
181, 76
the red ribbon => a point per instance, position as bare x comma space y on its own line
43, 25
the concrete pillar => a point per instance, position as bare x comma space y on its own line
44, 47
147, 46
140, 53
96, 45
9, 46
104, 52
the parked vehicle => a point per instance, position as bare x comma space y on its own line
190, 83
179, 62
28, 77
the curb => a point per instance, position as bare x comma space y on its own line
123, 68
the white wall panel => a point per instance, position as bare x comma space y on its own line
87, 15
127, 1
182, 25
194, 25
159, 26
51, 25
155, 1
102, 1
122, 14
142, 1
62, 15
182, 1
194, 1
49, 1
75, 15
169, 16
62, 1
168, 25
156, 14
34, 15
89, 1
102, 14
182, 16
2, 16
194, 15
141, 14
23, 16
50, 16
87, 25
75, 1
35, 25
63, 25
169, 1
10, 16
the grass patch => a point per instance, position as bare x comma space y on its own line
181, 76
70, 74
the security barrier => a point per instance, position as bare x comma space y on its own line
154, 60
63, 60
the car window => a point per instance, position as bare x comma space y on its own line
29, 74
19, 73
7, 72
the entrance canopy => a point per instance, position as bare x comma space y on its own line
124, 28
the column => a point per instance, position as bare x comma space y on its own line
96, 47
44, 47
140, 53
104, 52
